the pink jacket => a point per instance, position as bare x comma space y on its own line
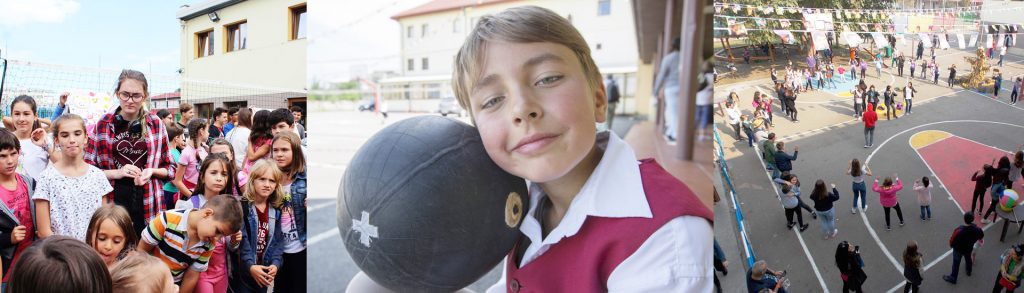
887, 196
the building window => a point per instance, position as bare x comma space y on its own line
423, 30
426, 64
298, 21
409, 64
204, 44
599, 46
204, 110
604, 7
408, 32
237, 35
236, 104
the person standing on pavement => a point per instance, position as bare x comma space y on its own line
900, 61
999, 176
733, 115
851, 267
908, 96
1002, 53
791, 104
924, 197
1010, 270
791, 203
890, 102
912, 268
998, 77
982, 181
612, 89
823, 206
768, 151
858, 102
783, 160
721, 265
887, 196
935, 73
952, 75
870, 117
1015, 91
913, 66
962, 242
858, 171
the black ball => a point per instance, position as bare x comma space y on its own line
423, 208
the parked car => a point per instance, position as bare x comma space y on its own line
367, 105
449, 105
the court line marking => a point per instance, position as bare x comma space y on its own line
803, 245
320, 206
324, 236
871, 231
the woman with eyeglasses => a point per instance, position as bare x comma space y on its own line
130, 146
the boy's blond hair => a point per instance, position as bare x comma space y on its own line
139, 273
526, 24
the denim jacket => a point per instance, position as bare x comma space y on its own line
275, 246
298, 204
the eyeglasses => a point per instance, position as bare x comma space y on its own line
125, 96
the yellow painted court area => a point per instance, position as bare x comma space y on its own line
927, 137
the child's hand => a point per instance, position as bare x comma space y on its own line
877, 178
237, 238
128, 171
18, 234
272, 270
39, 137
261, 277
833, 185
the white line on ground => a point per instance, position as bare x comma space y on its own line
328, 166
871, 231
324, 236
807, 252
320, 206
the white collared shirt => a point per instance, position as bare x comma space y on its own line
675, 258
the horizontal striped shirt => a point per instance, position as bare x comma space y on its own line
169, 233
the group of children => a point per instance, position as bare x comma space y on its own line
233, 225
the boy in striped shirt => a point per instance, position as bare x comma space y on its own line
184, 239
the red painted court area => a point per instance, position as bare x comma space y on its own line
954, 159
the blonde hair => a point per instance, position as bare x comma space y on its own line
135, 273
261, 168
526, 24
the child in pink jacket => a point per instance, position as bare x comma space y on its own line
887, 197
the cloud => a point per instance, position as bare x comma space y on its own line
21, 12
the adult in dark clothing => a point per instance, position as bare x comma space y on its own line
760, 277
823, 200
982, 181
850, 267
791, 104
962, 243
1000, 174
998, 77
900, 61
872, 95
952, 74
780, 94
890, 102
612, 89
784, 161
789, 182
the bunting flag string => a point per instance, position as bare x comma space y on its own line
857, 13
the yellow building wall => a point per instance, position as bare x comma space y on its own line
270, 59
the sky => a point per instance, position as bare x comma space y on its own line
140, 35
353, 38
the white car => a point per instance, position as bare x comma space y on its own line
449, 105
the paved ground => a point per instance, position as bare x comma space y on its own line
335, 136
964, 127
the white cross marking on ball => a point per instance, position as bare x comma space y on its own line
365, 229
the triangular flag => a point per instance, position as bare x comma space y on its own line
784, 23
718, 9
760, 22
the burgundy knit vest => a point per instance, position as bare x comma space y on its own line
583, 262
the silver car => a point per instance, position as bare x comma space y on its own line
449, 105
